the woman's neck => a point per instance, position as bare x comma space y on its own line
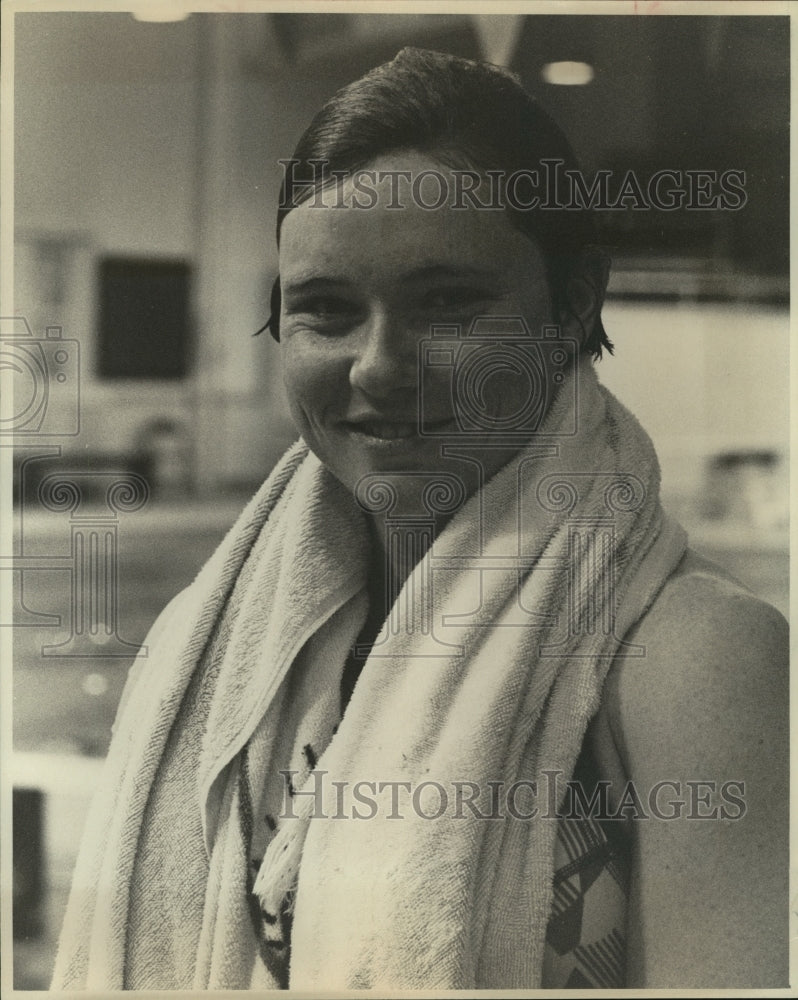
396, 549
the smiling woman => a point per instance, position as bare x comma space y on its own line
361, 293
453, 706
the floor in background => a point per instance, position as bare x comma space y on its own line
34, 956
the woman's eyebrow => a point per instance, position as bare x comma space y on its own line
312, 283
438, 272
424, 273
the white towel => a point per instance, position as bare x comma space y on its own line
534, 582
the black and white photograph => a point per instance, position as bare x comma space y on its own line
395, 536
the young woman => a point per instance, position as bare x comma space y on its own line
453, 705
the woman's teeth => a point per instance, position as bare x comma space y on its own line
388, 432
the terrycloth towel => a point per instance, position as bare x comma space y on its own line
534, 582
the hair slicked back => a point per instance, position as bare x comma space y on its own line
464, 114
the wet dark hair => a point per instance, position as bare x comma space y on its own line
465, 115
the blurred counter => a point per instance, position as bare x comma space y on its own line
66, 704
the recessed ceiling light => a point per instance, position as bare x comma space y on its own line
160, 12
567, 74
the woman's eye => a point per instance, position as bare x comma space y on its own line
324, 313
457, 297
325, 306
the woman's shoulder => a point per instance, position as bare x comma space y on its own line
710, 657
697, 727
703, 606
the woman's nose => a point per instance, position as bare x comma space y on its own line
386, 359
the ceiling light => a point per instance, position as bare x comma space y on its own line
567, 74
161, 12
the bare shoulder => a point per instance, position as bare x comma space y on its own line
700, 728
715, 659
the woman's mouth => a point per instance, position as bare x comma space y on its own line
382, 430
395, 430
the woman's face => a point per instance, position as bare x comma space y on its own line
362, 290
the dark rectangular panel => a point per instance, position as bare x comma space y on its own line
144, 318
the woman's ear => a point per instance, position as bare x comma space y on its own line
272, 324
583, 297
276, 304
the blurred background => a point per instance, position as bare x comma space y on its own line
146, 186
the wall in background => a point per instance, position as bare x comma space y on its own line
152, 140
163, 140
702, 378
